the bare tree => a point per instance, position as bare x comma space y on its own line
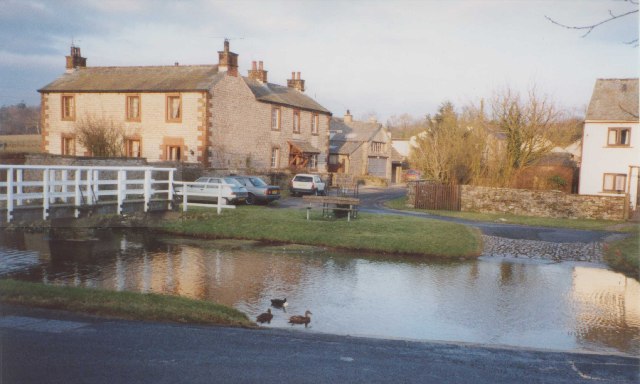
612, 16
100, 136
450, 149
404, 126
525, 127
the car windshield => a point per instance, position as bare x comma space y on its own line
258, 182
304, 179
232, 181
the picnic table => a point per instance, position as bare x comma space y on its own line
334, 203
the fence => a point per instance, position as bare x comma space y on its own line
197, 189
48, 186
435, 196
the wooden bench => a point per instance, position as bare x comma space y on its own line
334, 203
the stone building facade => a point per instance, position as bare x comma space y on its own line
206, 114
360, 148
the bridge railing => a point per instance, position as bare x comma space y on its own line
198, 191
80, 186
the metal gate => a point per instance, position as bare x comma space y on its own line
436, 196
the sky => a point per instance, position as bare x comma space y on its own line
381, 58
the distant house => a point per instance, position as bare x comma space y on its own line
206, 114
611, 140
360, 148
400, 155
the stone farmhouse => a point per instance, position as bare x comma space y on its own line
611, 141
206, 114
360, 148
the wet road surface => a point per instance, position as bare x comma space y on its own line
81, 349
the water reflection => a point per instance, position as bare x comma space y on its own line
484, 301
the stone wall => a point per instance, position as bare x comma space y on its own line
541, 203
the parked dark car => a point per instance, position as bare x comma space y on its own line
259, 191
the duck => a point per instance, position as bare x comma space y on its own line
265, 317
297, 319
279, 303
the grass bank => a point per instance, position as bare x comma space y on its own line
584, 224
376, 233
624, 255
124, 305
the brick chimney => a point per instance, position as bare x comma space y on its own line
258, 73
347, 117
296, 82
75, 60
227, 60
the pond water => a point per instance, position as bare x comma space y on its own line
490, 300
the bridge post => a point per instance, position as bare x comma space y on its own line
219, 200
121, 189
9, 194
147, 189
45, 194
96, 185
19, 187
185, 199
78, 195
63, 189
170, 190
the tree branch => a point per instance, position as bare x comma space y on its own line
591, 27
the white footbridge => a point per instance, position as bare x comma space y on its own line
47, 187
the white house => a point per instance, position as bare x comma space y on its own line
611, 141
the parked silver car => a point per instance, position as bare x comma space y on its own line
259, 191
207, 190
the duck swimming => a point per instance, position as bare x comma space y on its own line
297, 319
279, 303
265, 317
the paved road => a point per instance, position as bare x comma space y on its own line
373, 198
42, 346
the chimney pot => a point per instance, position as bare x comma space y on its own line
75, 59
228, 61
260, 65
253, 65
296, 82
347, 117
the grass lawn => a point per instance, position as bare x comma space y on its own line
624, 255
124, 305
597, 225
377, 233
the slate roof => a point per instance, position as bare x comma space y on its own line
304, 146
614, 100
278, 94
343, 147
347, 137
181, 78
354, 131
137, 79
396, 157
